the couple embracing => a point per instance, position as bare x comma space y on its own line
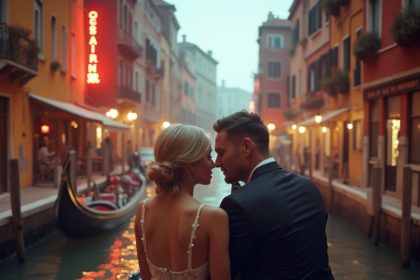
273, 227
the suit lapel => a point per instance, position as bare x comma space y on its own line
264, 169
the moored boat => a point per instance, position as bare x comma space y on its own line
76, 220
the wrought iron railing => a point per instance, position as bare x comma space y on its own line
16, 46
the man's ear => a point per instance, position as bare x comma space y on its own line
247, 147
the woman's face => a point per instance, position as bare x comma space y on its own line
202, 169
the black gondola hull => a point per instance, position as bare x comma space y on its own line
76, 220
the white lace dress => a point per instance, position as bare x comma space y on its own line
162, 273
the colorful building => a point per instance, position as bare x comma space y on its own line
274, 39
391, 92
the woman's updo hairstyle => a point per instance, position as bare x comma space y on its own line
176, 146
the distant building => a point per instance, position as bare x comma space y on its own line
205, 70
274, 39
230, 100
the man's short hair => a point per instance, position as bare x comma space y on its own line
245, 124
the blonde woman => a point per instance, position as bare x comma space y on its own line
177, 237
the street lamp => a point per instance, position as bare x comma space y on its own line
131, 116
318, 119
271, 127
294, 126
349, 126
301, 129
165, 124
112, 113
324, 129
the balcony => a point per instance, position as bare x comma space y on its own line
18, 54
128, 46
153, 71
313, 100
127, 93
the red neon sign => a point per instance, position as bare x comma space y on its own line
92, 71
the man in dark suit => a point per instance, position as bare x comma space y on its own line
277, 219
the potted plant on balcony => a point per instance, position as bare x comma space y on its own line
331, 7
366, 45
327, 84
406, 27
341, 81
313, 101
22, 48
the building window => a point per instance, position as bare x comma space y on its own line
294, 86
3, 11
357, 136
53, 38
315, 18
296, 33
374, 129
73, 55
274, 69
38, 24
357, 72
273, 100
412, 4
275, 41
346, 54
415, 128
64, 48
374, 16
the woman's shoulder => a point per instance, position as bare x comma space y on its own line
213, 213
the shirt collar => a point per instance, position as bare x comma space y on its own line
267, 160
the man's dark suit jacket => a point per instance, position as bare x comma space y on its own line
277, 227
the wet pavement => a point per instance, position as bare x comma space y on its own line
113, 255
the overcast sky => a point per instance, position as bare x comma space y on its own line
230, 29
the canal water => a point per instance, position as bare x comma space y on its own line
113, 255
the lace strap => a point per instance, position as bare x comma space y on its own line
143, 233
195, 225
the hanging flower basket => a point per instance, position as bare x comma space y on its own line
290, 114
331, 7
328, 85
366, 45
22, 48
406, 28
341, 81
313, 101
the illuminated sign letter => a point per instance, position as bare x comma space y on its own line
92, 70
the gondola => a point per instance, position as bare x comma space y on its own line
76, 220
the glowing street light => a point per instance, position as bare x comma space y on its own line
165, 124
112, 113
131, 116
294, 126
271, 127
301, 129
349, 126
324, 129
318, 119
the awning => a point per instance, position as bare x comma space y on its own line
80, 111
325, 117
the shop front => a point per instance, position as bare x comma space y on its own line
393, 108
62, 126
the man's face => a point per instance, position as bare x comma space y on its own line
229, 158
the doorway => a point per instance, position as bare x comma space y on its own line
4, 109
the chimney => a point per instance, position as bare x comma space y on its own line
270, 16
